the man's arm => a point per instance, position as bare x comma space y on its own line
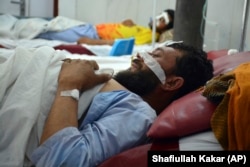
89, 41
105, 132
74, 74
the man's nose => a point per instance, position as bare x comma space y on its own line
137, 57
143, 56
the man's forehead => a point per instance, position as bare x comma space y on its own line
168, 51
166, 47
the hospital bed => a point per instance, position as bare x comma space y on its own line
29, 68
185, 124
16, 31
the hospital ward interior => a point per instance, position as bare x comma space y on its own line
107, 124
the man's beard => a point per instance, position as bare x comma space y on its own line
140, 82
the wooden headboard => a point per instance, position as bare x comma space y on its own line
55, 8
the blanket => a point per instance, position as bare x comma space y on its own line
29, 28
28, 80
30, 43
230, 121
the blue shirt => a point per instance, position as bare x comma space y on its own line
72, 34
115, 122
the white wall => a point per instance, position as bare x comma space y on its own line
223, 24
41, 8
67, 8
222, 27
223, 20
35, 8
7, 7
100, 11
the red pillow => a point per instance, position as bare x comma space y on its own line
227, 63
213, 54
74, 49
187, 115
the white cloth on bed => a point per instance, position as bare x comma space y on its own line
26, 92
203, 141
29, 28
29, 43
28, 79
117, 63
104, 50
7, 22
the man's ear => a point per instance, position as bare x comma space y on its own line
173, 83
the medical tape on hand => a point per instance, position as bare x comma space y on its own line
154, 66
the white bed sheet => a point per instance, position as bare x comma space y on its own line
29, 43
27, 80
29, 28
203, 141
104, 50
116, 63
99, 50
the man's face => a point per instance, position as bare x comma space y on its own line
161, 24
162, 21
166, 57
139, 78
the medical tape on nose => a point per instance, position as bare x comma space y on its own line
154, 66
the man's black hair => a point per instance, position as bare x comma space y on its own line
193, 66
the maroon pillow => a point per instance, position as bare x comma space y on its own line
187, 115
226, 63
216, 53
138, 156
1, 46
74, 49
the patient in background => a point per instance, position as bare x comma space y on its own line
106, 33
166, 21
122, 112
143, 35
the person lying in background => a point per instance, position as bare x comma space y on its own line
122, 112
166, 20
106, 33
143, 35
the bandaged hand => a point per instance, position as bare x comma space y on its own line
80, 74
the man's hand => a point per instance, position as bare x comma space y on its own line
80, 74
128, 22
74, 74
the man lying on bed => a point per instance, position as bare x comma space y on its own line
143, 35
106, 33
117, 119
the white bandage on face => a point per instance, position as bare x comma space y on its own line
154, 66
171, 42
163, 15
